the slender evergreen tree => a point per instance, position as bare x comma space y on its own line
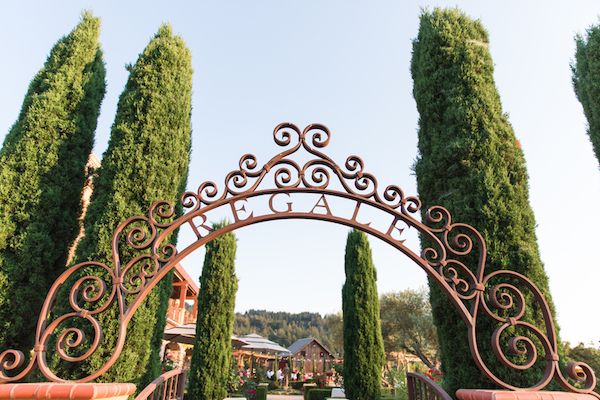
42, 166
211, 360
146, 160
363, 344
586, 81
470, 162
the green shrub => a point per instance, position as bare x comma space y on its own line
397, 377
399, 393
318, 394
306, 389
298, 385
261, 393
260, 374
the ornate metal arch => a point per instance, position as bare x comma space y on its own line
128, 281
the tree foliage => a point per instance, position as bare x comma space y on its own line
470, 162
285, 328
586, 81
214, 326
146, 160
407, 325
363, 345
586, 354
42, 164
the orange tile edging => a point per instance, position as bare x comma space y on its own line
66, 391
479, 394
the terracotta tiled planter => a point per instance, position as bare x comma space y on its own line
66, 391
477, 394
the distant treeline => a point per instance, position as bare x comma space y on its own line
285, 328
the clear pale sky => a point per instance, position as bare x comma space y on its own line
345, 64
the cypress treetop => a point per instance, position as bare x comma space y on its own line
470, 162
146, 160
42, 165
586, 81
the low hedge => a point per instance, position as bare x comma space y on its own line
298, 385
261, 393
318, 394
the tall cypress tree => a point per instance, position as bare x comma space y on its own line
146, 160
470, 162
586, 81
363, 344
42, 166
211, 360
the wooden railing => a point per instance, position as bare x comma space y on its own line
168, 386
181, 316
421, 387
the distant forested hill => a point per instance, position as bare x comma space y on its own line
285, 328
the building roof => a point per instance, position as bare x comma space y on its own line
257, 342
302, 343
187, 334
93, 161
182, 276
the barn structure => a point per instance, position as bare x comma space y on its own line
310, 356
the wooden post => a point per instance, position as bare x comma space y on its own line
195, 308
182, 295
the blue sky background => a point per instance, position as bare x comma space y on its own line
345, 64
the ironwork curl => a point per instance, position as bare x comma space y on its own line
455, 258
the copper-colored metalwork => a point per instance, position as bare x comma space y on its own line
168, 386
498, 295
421, 387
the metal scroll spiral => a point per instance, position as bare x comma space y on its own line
145, 257
89, 296
506, 300
500, 297
447, 255
71, 325
457, 253
317, 173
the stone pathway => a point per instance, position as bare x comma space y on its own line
281, 397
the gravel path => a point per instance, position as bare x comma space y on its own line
280, 397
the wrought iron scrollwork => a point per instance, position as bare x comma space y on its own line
142, 255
